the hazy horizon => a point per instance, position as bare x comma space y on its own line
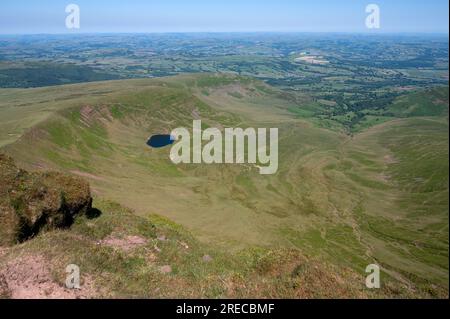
231, 33
21, 17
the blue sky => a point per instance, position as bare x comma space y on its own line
48, 16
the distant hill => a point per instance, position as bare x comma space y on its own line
39, 74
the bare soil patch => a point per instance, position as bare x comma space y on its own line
126, 244
87, 175
389, 159
29, 277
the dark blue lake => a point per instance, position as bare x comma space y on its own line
158, 141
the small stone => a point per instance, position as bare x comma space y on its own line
166, 269
186, 246
151, 257
207, 258
162, 238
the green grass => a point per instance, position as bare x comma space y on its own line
433, 102
331, 197
254, 272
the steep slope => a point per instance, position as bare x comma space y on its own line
121, 255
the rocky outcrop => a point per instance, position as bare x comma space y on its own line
35, 202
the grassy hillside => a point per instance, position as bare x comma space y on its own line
121, 255
356, 117
378, 197
431, 102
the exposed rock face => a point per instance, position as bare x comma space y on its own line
33, 202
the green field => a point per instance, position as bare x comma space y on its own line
378, 195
